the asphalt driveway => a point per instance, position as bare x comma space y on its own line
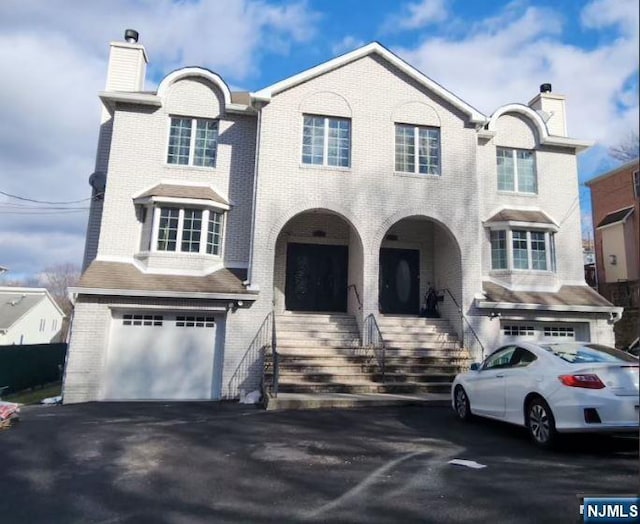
225, 462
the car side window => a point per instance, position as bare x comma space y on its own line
500, 359
521, 358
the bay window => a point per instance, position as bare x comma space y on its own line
522, 249
187, 230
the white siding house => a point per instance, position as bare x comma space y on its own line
28, 316
351, 188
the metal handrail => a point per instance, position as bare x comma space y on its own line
255, 353
355, 290
275, 357
463, 319
372, 339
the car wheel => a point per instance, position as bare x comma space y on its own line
540, 423
461, 403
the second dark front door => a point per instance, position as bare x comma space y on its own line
399, 281
316, 277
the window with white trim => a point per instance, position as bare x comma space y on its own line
518, 330
522, 249
194, 321
142, 320
326, 141
559, 331
193, 142
516, 170
187, 230
417, 149
54, 324
42, 324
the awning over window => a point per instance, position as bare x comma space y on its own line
175, 192
521, 215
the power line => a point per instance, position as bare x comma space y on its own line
43, 201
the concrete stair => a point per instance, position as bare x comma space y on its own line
320, 354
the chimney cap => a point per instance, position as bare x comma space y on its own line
545, 88
131, 36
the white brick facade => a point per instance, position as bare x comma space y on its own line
275, 199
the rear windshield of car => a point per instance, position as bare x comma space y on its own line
588, 353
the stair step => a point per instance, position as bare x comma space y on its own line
423, 387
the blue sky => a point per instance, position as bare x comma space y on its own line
490, 53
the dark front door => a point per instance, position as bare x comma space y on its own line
399, 281
316, 277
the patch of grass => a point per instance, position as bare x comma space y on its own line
34, 396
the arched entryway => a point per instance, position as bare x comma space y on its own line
318, 264
417, 253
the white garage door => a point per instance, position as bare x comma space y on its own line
160, 356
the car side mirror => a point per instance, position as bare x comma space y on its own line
475, 366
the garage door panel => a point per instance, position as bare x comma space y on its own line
171, 361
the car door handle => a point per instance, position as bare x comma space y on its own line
499, 376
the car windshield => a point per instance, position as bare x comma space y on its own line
588, 353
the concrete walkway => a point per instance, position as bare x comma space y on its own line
347, 400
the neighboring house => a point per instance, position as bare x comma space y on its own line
28, 316
615, 203
352, 188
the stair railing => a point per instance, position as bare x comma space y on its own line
463, 320
243, 377
355, 290
372, 340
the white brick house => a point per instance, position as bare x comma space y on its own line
351, 187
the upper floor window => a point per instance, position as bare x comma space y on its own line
636, 183
326, 141
187, 230
193, 142
516, 170
417, 149
522, 249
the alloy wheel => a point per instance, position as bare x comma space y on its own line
539, 423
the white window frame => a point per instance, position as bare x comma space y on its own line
325, 142
416, 149
192, 141
516, 179
549, 244
204, 229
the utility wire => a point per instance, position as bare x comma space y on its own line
43, 201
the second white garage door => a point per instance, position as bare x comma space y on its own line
160, 356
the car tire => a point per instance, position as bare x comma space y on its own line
462, 407
540, 423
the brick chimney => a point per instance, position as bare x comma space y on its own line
551, 108
127, 64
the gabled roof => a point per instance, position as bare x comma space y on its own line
616, 217
15, 303
371, 49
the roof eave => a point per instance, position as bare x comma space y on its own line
487, 304
249, 295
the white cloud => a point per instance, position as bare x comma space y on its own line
348, 43
416, 15
53, 57
506, 58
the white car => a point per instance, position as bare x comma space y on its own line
552, 387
